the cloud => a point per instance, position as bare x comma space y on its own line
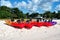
0, 3
23, 3
36, 1
58, 7
35, 7
20, 4
31, 5
36, 4
55, 0
6, 3
47, 6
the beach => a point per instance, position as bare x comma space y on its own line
35, 33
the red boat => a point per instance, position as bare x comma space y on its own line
47, 24
18, 25
28, 25
40, 24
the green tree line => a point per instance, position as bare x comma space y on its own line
6, 12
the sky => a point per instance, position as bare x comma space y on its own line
30, 6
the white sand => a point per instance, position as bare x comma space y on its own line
43, 33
